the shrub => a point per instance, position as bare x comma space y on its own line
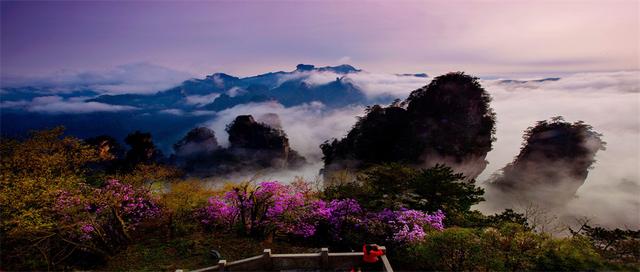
510, 247
100, 220
274, 208
32, 171
181, 201
394, 186
269, 208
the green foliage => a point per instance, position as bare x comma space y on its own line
149, 174
440, 188
395, 185
510, 247
507, 216
35, 236
616, 244
181, 202
451, 117
568, 254
454, 249
143, 150
380, 136
32, 171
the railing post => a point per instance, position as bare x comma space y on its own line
385, 260
324, 256
221, 265
267, 263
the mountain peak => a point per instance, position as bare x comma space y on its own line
222, 76
305, 67
340, 69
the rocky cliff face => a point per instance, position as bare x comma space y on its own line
452, 123
552, 165
252, 146
258, 144
447, 122
196, 150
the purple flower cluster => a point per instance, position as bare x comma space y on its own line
134, 205
272, 206
289, 209
100, 205
86, 230
405, 226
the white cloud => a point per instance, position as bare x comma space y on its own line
202, 113
344, 60
307, 125
235, 91
372, 84
609, 102
201, 100
172, 111
387, 84
143, 78
57, 104
14, 104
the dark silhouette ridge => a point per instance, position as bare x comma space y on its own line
553, 163
195, 149
143, 150
449, 121
253, 146
257, 144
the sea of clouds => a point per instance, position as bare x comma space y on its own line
609, 101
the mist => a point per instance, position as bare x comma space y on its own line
609, 101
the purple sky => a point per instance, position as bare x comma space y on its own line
250, 37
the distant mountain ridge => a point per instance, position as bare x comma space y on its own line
86, 111
287, 88
170, 112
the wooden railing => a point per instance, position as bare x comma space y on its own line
275, 262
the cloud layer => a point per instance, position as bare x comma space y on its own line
57, 104
372, 84
609, 102
142, 78
307, 125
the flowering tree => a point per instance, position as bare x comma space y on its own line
403, 226
276, 208
271, 207
99, 220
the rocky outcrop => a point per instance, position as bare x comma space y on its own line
253, 146
196, 150
257, 144
447, 122
552, 165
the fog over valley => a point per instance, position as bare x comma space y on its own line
317, 104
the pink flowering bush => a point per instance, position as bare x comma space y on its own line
275, 208
101, 219
342, 219
403, 226
269, 208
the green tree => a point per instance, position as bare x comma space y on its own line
395, 185
32, 172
